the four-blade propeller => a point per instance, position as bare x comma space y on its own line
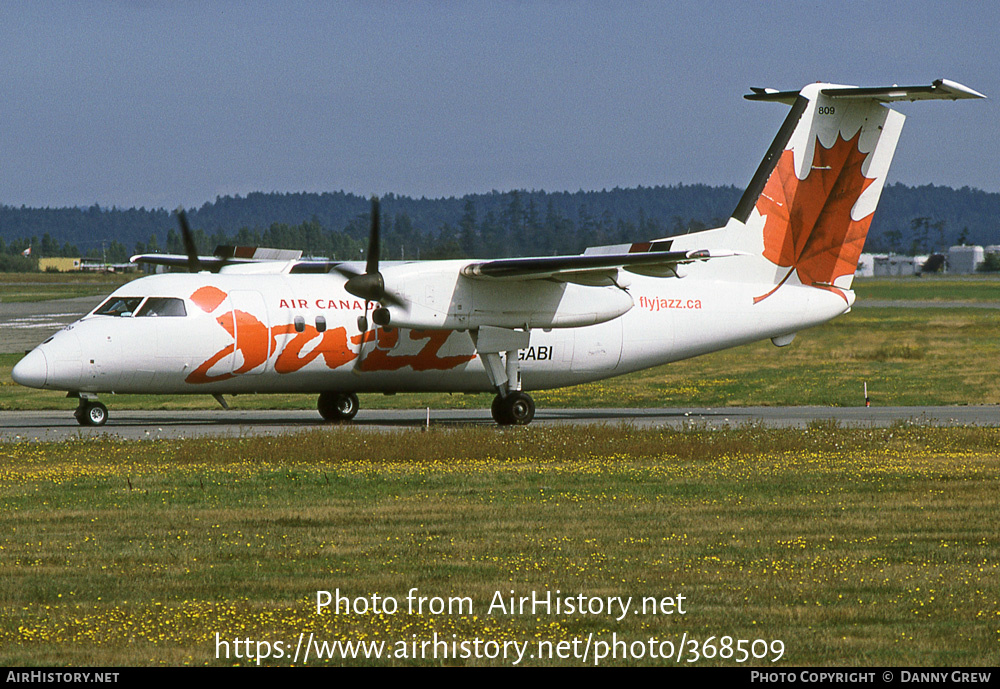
369, 285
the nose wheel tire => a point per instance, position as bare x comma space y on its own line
337, 406
91, 414
516, 409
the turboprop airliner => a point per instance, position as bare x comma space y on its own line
246, 321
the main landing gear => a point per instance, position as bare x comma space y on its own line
516, 409
90, 412
337, 406
511, 406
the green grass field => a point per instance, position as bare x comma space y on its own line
849, 547
16, 287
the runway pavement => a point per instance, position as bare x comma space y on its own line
138, 425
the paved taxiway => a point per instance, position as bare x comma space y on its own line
60, 425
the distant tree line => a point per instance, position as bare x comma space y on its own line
335, 225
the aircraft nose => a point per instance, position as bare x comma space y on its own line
32, 370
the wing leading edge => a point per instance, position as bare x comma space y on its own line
580, 268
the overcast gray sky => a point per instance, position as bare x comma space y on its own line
158, 104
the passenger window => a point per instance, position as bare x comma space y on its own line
162, 306
118, 306
300, 324
320, 323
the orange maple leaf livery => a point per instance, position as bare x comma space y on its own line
809, 228
331, 345
252, 343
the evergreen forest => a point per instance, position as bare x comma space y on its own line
913, 220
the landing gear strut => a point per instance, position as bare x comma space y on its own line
511, 407
337, 406
516, 409
90, 412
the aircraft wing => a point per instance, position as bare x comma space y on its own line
588, 268
215, 264
209, 263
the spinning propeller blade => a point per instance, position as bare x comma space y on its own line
371, 266
194, 265
369, 285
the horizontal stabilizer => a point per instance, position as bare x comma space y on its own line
940, 89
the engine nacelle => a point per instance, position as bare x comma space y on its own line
455, 302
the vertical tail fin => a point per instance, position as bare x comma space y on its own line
814, 194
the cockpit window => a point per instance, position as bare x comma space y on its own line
162, 306
118, 306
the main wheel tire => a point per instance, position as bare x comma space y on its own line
516, 409
337, 406
91, 414
520, 408
496, 409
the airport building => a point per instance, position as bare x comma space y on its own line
866, 266
61, 265
895, 265
965, 260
